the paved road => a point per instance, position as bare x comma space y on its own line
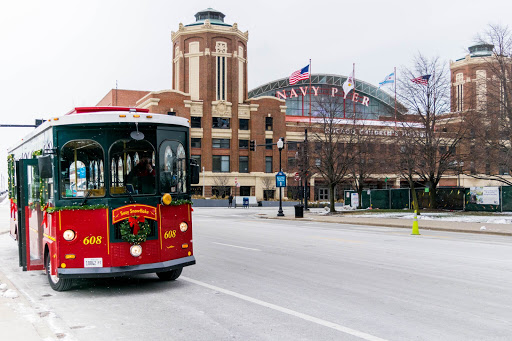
262, 279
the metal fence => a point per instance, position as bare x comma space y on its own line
448, 198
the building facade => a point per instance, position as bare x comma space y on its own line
210, 88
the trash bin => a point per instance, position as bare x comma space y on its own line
299, 211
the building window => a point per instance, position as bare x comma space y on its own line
244, 124
481, 89
243, 163
221, 47
243, 144
268, 194
221, 191
195, 122
268, 144
198, 160
220, 143
268, 164
292, 163
245, 191
459, 91
220, 163
220, 123
268, 123
292, 145
195, 142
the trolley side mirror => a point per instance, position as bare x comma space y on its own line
194, 172
45, 166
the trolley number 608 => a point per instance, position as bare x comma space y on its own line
92, 240
170, 234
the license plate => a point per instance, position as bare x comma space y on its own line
93, 262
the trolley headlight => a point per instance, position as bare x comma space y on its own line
183, 227
166, 199
68, 235
136, 250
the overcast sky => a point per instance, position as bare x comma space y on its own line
56, 55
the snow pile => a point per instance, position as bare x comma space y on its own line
9, 293
445, 216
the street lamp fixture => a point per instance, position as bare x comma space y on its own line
280, 146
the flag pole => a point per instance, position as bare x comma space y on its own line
354, 76
310, 91
395, 96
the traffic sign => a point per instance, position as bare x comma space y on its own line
297, 177
280, 179
237, 184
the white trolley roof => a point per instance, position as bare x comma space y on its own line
95, 115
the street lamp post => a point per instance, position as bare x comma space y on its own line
280, 146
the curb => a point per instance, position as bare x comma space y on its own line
431, 228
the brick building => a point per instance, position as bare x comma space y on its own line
209, 87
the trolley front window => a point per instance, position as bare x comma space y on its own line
81, 167
173, 167
132, 167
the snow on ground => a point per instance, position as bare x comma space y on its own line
492, 218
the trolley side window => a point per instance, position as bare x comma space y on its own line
173, 167
132, 167
81, 166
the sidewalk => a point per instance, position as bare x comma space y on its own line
18, 319
438, 225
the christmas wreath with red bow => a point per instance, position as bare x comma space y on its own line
134, 230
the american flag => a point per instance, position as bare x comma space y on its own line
299, 75
423, 80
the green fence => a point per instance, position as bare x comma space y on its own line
448, 198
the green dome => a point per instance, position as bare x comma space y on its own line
215, 17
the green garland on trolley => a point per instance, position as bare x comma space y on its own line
10, 175
125, 227
180, 202
73, 208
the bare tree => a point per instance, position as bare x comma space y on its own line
364, 158
222, 184
492, 112
432, 135
332, 152
268, 184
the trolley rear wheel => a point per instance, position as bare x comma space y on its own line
57, 284
169, 275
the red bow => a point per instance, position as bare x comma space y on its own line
134, 222
13, 208
45, 215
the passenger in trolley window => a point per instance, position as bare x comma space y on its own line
142, 177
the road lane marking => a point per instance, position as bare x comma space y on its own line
339, 239
239, 247
294, 313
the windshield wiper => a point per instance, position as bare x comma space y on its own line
86, 198
132, 201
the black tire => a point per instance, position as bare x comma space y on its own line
171, 275
57, 284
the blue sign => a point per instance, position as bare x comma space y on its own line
280, 179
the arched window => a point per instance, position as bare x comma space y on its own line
173, 167
77, 158
140, 179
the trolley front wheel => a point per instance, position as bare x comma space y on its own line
169, 275
57, 284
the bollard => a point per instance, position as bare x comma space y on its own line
415, 228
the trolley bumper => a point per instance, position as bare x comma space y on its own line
126, 270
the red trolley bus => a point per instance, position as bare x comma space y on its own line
103, 192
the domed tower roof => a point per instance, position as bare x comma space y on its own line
215, 17
481, 50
